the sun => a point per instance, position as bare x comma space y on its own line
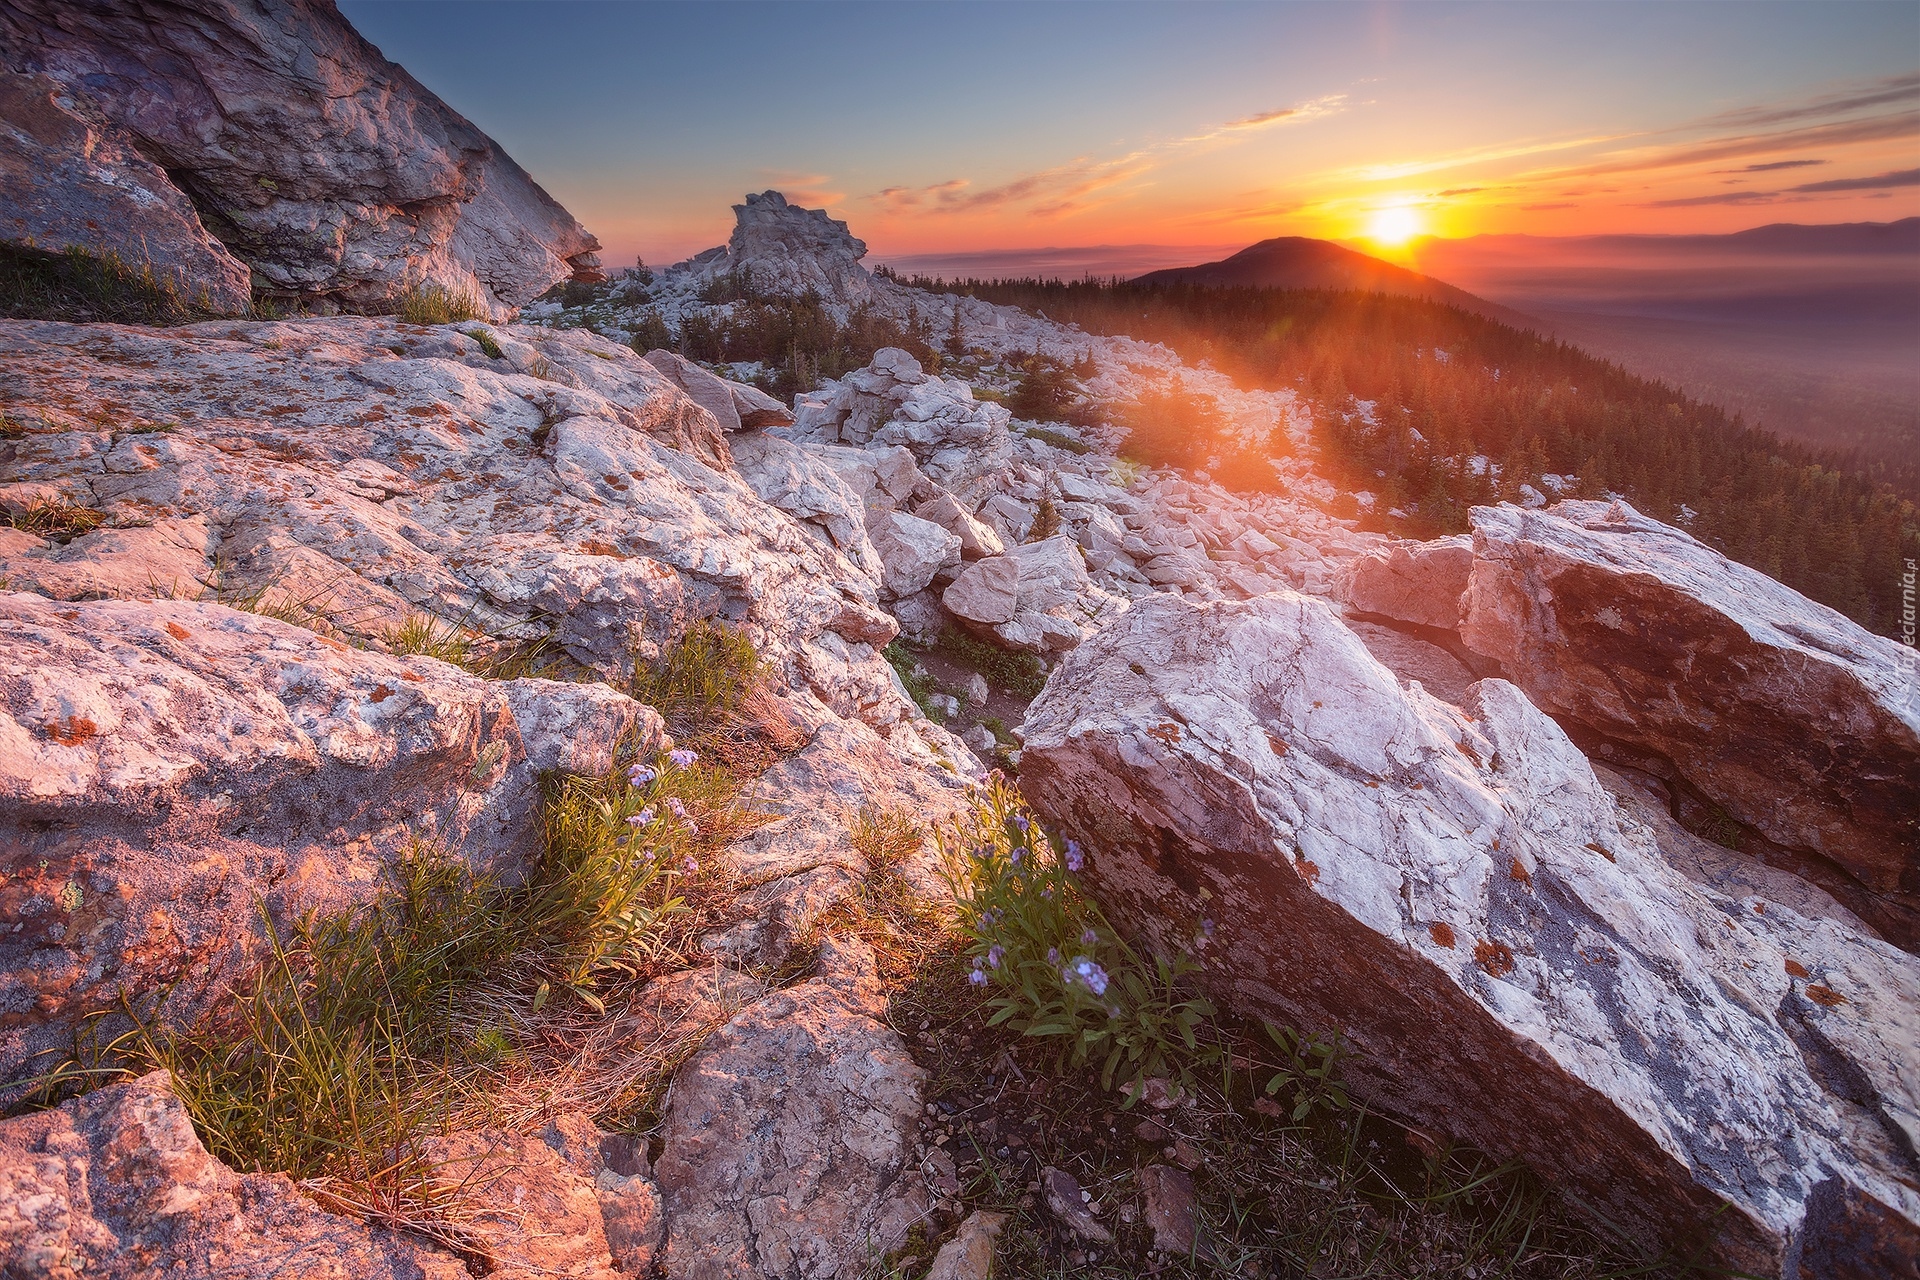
1394, 225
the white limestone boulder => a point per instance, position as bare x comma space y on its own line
1513, 960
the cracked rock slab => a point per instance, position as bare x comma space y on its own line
788, 1140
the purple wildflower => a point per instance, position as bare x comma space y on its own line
994, 954
640, 775
676, 808
681, 757
1086, 971
977, 978
1088, 936
1075, 859
1020, 821
1018, 852
644, 818
1053, 955
692, 866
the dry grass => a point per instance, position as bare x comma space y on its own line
56, 518
429, 304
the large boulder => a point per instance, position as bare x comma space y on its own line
117, 1186
1795, 721
911, 552
70, 180
1037, 598
1513, 960
1417, 582
708, 390
336, 176
168, 769
789, 1138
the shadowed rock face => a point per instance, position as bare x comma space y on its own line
1796, 721
1514, 959
68, 180
332, 173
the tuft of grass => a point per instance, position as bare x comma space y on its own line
487, 343
56, 518
429, 304
365, 1029
431, 637
919, 686
82, 285
1020, 674
704, 675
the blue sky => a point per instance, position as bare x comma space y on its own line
985, 126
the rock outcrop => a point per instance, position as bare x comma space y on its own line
1659, 652
784, 250
1516, 961
361, 472
116, 1186
70, 180
170, 768
338, 178
961, 443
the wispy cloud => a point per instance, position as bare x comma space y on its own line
812, 190
1881, 182
1859, 96
1772, 165
1052, 192
1299, 113
1791, 195
1067, 188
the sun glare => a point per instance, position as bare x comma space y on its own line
1394, 225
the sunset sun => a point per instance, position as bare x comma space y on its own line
1394, 225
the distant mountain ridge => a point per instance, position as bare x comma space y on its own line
1300, 262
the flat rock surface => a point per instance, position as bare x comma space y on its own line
168, 768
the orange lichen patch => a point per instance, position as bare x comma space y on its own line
1419, 786
1494, 957
1168, 733
282, 410
1759, 908
1279, 747
380, 694
1372, 783
1825, 997
1795, 968
1442, 933
427, 411
614, 481
1468, 752
408, 675
331, 642
1517, 870
1309, 871
177, 631
72, 731
1601, 849
596, 547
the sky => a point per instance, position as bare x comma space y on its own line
1078, 135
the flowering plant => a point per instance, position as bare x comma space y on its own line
1054, 965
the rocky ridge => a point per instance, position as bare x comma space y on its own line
1223, 744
